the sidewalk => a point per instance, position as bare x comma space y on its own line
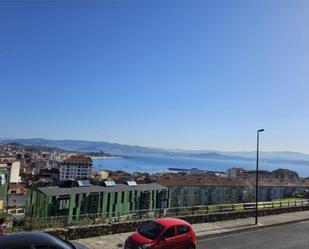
204, 230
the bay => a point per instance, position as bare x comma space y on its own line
153, 164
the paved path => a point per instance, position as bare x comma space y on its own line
291, 236
204, 230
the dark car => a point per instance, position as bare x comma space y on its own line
165, 233
35, 240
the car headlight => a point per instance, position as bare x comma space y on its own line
145, 246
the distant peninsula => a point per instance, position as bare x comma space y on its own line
96, 148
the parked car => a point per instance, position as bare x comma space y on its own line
164, 233
35, 240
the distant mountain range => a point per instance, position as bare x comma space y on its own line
121, 149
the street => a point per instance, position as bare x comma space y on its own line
293, 236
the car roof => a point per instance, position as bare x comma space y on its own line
18, 239
171, 222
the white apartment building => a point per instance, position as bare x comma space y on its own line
14, 171
76, 167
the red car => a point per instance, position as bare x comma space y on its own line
165, 233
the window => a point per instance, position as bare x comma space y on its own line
122, 197
170, 232
64, 204
108, 202
116, 198
182, 230
151, 230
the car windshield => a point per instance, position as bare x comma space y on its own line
151, 230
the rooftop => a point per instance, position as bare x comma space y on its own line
56, 190
199, 180
284, 183
78, 160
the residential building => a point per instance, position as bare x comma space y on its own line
285, 174
17, 189
47, 174
246, 174
76, 167
275, 174
17, 199
15, 172
270, 189
3, 184
194, 190
110, 200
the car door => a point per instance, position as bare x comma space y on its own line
182, 238
167, 240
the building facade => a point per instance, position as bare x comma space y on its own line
203, 189
73, 202
195, 190
76, 167
271, 189
15, 172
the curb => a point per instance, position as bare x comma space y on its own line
255, 227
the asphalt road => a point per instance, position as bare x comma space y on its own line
292, 236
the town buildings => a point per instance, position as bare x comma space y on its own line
41, 167
205, 189
76, 167
275, 174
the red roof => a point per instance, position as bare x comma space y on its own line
17, 186
197, 180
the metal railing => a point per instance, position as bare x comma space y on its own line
138, 215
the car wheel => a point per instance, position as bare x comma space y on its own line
191, 247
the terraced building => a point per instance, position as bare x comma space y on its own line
109, 200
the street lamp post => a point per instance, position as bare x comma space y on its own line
257, 176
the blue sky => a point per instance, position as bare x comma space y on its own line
192, 75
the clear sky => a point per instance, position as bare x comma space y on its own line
192, 75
